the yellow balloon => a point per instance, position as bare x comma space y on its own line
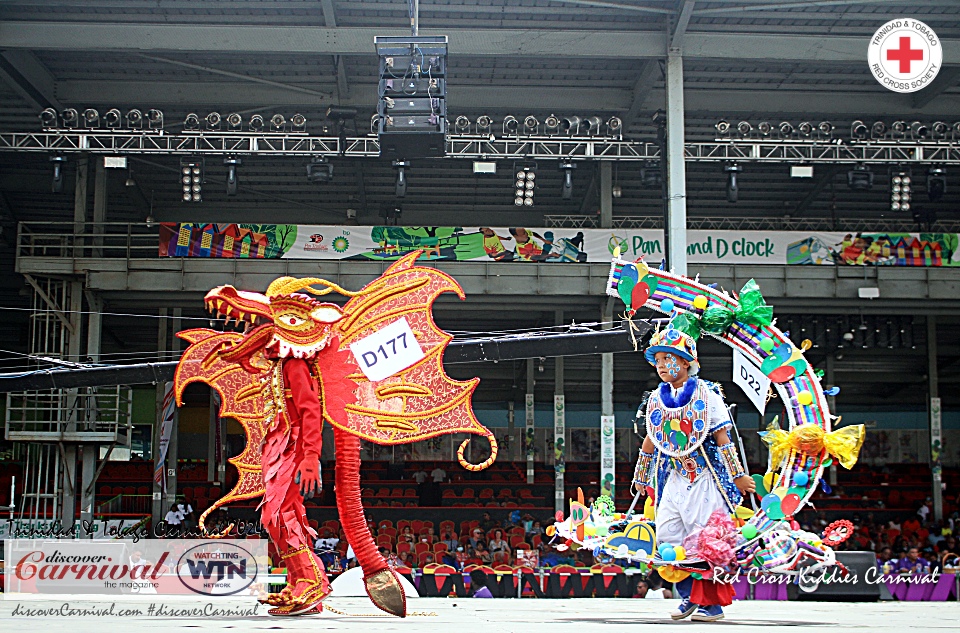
590, 530
649, 510
681, 552
768, 481
700, 302
805, 398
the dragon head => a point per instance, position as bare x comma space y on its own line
296, 325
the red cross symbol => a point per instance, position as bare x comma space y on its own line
905, 54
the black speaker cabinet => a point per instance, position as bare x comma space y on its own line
836, 587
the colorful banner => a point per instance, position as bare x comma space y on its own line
554, 245
608, 460
169, 412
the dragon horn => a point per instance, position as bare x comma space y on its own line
494, 448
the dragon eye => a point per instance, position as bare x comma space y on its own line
291, 319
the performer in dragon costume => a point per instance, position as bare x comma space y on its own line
372, 369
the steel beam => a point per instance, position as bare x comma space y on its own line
29, 78
676, 167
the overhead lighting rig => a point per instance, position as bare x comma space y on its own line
191, 179
566, 188
733, 187
232, 163
400, 189
901, 191
525, 185
319, 170
860, 178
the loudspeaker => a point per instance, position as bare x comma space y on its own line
858, 586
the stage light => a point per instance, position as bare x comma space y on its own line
858, 130
900, 191
191, 123
860, 178
786, 129
510, 125
592, 125
805, 129
878, 130
566, 189
552, 125
733, 188
57, 184
134, 119
462, 125
723, 128
48, 119
939, 129
617, 191
531, 125
232, 162
615, 127
154, 119
650, 176
936, 183
570, 125
824, 129
898, 129
256, 123
91, 119
525, 186
213, 121
918, 130
191, 179
764, 128
319, 170
401, 187
69, 118
299, 123
278, 123
483, 124
744, 128
234, 122
112, 118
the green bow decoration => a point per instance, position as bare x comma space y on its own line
688, 324
752, 309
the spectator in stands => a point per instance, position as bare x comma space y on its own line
173, 516
884, 556
913, 563
499, 548
439, 475
372, 526
924, 511
535, 530
451, 543
648, 592
478, 585
476, 539
407, 536
484, 554
461, 557
431, 534
428, 559
949, 560
407, 559
488, 523
137, 560
393, 560
185, 508
420, 476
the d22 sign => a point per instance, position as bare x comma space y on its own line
387, 351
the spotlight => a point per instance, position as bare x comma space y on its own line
723, 128
786, 129
234, 121
617, 191
566, 189
483, 124
319, 170
510, 125
191, 179
650, 176
57, 184
401, 187
213, 121
824, 129
956, 131
899, 129
462, 125
191, 123
733, 189
878, 130
918, 130
860, 178
69, 118
552, 125
805, 129
278, 123
936, 183
615, 127
744, 128
531, 125
299, 123
232, 162
155, 119
940, 130
112, 118
525, 186
48, 119
764, 128
570, 125
858, 130
900, 192
91, 118
256, 123
134, 119
592, 125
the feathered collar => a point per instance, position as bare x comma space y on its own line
683, 396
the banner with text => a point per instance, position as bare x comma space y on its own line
553, 245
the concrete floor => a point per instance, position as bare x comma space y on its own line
485, 616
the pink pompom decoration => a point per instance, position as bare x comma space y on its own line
717, 540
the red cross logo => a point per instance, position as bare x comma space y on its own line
905, 55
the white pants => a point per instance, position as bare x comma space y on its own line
685, 507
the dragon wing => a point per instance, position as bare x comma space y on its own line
240, 399
418, 402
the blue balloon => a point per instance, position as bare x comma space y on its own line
629, 270
667, 305
668, 554
801, 478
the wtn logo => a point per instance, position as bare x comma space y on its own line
223, 569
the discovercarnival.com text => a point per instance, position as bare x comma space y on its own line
66, 610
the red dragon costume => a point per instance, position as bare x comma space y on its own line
283, 379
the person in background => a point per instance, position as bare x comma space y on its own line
487, 523
499, 548
483, 554
461, 557
439, 475
913, 563
451, 543
885, 560
185, 508
478, 585
924, 511
420, 476
173, 516
476, 539
535, 530
407, 535
394, 561
428, 559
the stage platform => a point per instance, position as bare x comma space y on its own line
483, 616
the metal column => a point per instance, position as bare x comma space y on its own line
90, 452
99, 206
172, 450
676, 170
606, 194
157, 512
559, 429
935, 418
